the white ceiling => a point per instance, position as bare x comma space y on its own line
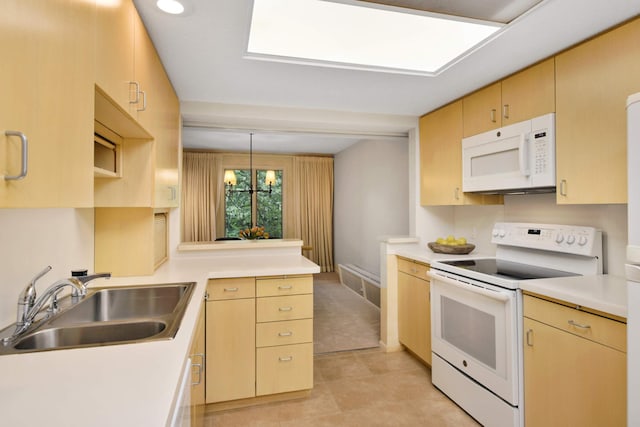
203, 52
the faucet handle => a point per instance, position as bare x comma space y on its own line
84, 279
28, 295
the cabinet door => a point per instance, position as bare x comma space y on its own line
114, 50
482, 110
47, 84
284, 368
198, 373
593, 81
231, 349
571, 381
414, 315
441, 160
529, 93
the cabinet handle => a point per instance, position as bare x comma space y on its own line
137, 91
172, 192
505, 111
492, 115
530, 337
285, 308
231, 289
144, 101
25, 143
199, 366
563, 187
285, 334
578, 325
456, 193
285, 358
285, 287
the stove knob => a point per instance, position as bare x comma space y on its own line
582, 240
571, 239
559, 238
503, 233
494, 233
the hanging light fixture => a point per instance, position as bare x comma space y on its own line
230, 179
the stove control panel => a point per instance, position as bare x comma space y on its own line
572, 239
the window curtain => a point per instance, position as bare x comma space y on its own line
313, 180
202, 192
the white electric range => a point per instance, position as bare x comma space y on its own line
476, 313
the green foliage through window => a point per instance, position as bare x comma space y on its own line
267, 207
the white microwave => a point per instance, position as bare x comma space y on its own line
519, 158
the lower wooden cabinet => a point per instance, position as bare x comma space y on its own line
574, 367
198, 373
259, 337
414, 308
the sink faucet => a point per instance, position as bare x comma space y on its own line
29, 306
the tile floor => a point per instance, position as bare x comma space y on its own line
353, 388
357, 388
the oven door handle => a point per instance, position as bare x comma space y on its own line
471, 288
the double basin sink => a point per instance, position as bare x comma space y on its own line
107, 316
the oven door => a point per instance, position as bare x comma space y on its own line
475, 329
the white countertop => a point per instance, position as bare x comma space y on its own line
422, 253
122, 385
604, 292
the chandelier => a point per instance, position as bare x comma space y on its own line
230, 179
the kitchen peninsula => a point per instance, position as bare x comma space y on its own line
133, 384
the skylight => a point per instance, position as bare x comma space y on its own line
349, 36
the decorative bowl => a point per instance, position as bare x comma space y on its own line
451, 249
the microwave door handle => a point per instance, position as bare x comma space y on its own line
471, 288
523, 151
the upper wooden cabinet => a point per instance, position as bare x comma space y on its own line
593, 81
46, 81
524, 95
441, 160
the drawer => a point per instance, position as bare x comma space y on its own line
273, 309
284, 368
284, 286
283, 333
413, 268
590, 326
221, 289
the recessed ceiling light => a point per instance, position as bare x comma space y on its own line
173, 7
350, 36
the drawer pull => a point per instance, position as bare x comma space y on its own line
530, 337
286, 308
285, 358
285, 287
231, 289
578, 325
285, 334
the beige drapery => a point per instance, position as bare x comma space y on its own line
202, 192
311, 185
313, 181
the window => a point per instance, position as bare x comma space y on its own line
267, 208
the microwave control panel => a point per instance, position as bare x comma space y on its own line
543, 150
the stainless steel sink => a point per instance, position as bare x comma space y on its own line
90, 335
108, 316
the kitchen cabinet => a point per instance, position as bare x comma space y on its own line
230, 339
593, 81
46, 81
574, 366
441, 160
197, 353
259, 337
414, 308
524, 95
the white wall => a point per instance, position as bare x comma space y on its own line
371, 198
34, 238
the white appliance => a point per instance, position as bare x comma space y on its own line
633, 260
519, 158
476, 313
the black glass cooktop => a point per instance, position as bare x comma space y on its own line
508, 269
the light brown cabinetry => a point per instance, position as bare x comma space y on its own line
230, 339
574, 366
593, 81
197, 354
259, 337
441, 160
284, 334
46, 81
524, 95
414, 308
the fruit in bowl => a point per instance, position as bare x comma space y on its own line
451, 245
451, 241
